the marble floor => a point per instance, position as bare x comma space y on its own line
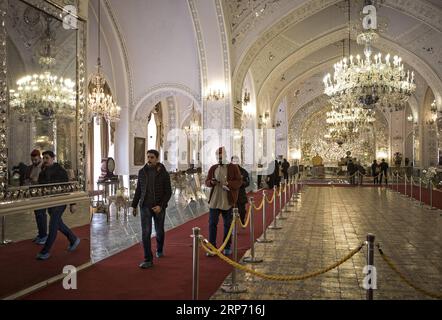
325, 225
108, 238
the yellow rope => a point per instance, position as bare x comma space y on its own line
209, 248
247, 219
260, 206
401, 275
229, 234
273, 198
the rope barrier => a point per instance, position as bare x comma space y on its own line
206, 245
260, 206
273, 198
229, 234
404, 278
248, 217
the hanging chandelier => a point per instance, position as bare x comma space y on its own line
45, 94
370, 81
100, 102
346, 123
193, 128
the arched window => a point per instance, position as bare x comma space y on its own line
151, 133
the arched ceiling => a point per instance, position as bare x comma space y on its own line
307, 36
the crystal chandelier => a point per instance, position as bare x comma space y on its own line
45, 94
193, 128
370, 81
346, 123
100, 102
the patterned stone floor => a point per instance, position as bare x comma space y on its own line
326, 224
109, 238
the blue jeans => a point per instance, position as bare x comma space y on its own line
146, 231
42, 222
213, 224
55, 224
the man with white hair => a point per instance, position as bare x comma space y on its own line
224, 180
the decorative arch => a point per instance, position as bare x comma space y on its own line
426, 72
421, 10
161, 91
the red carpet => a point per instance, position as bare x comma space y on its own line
118, 277
21, 270
437, 194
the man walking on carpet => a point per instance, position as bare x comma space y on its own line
153, 193
224, 180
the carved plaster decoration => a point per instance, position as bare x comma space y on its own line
245, 14
227, 83
159, 92
124, 50
411, 59
423, 11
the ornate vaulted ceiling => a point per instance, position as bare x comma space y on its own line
289, 45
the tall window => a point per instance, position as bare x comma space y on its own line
97, 152
151, 133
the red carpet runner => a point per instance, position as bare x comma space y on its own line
119, 277
21, 270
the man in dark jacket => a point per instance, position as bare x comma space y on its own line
153, 193
285, 169
273, 179
384, 171
375, 170
52, 172
351, 169
242, 196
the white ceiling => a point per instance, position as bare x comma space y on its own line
291, 65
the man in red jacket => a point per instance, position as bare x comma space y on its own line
225, 180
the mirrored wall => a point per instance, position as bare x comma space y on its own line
42, 152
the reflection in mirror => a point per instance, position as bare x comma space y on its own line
42, 91
44, 113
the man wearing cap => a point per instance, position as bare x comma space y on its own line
31, 177
224, 180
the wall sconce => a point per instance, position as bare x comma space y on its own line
215, 94
433, 116
410, 118
246, 98
264, 118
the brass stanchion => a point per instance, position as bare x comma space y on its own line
252, 258
420, 192
405, 184
280, 216
370, 265
234, 287
274, 226
285, 196
397, 182
4, 240
430, 189
264, 229
292, 192
195, 262
296, 189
